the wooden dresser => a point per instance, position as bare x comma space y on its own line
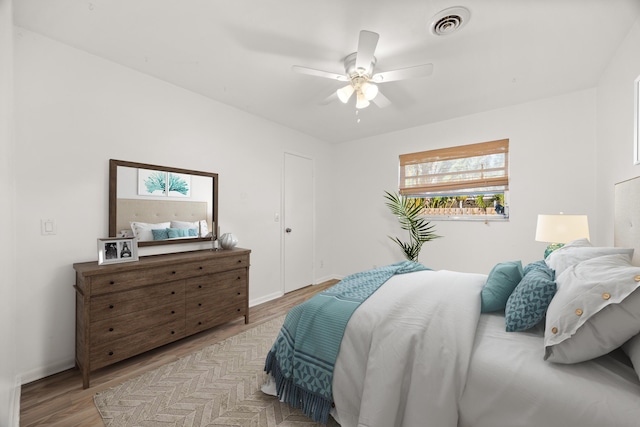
129, 308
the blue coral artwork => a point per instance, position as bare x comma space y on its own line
159, 183
179, 185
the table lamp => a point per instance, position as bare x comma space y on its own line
560, 229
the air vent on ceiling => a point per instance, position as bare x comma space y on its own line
449, 20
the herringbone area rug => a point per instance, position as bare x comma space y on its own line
216, 386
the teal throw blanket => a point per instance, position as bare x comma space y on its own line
305, 351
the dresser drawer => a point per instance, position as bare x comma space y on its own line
106, 353
210, 315
223, 264
128, 324
125, 280
119, 303
234, 279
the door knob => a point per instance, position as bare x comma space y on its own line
288, 230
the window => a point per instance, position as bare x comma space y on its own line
459, 182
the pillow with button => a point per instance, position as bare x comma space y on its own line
595, 309
577, 251
632, 348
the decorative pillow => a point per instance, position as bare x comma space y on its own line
579, 250
200, 226
632, 348
204, 228
502, 280
595, 310
177, 232
527, 304
142, 230
184, 224
160, 234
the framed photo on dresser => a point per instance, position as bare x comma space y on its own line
117, 249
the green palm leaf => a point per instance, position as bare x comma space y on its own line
408, 210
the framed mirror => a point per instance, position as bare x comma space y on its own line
161, 205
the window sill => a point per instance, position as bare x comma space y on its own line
473, 218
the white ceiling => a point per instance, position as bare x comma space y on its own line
240, 52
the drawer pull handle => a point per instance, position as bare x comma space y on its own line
110, 329
173, 272
238, 278
111, 306
238, 293
173, 332
112, 282
238, 309
199, 304
199, 323
173, 292
199, 286
200, 268
173, 312
111, 353
239, 261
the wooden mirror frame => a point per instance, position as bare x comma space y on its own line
113, 198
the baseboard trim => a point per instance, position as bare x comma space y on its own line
14, 415
265, 298
38, 374
327, 278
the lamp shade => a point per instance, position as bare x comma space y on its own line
345, 93
561, 228
361, 102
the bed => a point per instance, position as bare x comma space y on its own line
170, 219
428, 348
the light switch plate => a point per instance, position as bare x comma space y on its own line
48, 227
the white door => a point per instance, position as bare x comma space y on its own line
298, 222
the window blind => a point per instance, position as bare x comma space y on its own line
468, 169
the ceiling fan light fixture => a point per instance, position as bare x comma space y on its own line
361, 102
344, 93
369, 90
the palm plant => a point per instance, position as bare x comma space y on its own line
408, 210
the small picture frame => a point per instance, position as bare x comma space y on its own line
117, 249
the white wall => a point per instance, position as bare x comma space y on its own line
9, 381
74, 112
552, 169
615, 128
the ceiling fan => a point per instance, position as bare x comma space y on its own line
359, 73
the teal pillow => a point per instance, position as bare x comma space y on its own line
527, 305
193, 232
160, 233
502, 280
177, 232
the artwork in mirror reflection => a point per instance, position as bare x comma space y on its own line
161, 183
159, 206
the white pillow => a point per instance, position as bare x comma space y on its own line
142, 230
201, 226
632, 348
579, 250
594, 311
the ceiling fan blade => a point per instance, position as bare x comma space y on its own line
319, 73
329, 99
403, 73
381, 101
366, 48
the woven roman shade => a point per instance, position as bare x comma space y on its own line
468, 169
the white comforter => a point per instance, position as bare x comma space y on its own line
405, 354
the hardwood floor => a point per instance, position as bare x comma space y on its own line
59, 400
